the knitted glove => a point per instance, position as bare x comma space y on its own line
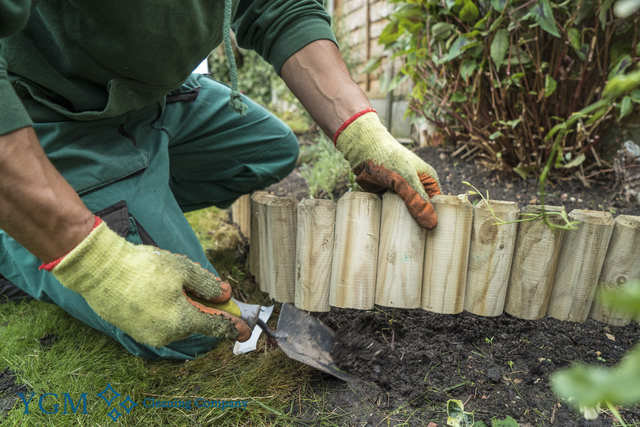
382, 163
141, 290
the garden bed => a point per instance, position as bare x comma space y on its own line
453, 172
412, 361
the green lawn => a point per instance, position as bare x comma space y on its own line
80, 360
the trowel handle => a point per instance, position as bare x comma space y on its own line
267, 330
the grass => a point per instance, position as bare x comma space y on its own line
82, 360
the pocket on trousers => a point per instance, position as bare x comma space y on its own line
119, 219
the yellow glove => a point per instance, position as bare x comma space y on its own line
142, 290
382, 163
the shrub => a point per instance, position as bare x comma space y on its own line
498, 75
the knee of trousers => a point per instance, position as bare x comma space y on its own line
288, 150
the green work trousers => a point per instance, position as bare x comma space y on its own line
143, 170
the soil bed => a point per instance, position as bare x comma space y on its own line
412, 361
501, 186
498, 366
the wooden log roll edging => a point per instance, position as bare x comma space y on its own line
314, 253
579, 265
621, 264
363, 251
535, 262
400, 256
276, 238
490, 257
355, 251
446, 256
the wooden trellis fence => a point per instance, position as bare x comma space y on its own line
366, 250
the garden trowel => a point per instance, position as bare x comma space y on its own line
306, 339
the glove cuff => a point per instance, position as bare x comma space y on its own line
349, 121
51, 265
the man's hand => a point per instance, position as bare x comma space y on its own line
143, 290
318, 76
382, 163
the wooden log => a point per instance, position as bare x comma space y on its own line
446, 255
400, 256
314, 253
277, 260
580, 264
490, 257
621, 265
355, 255
241, 214
535, 262
258, 239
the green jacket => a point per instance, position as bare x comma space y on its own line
94, 59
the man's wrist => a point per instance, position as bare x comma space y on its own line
49, 266
350, 120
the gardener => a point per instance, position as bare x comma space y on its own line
106, 139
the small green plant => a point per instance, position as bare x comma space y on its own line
543, 214
458, 417
324, 168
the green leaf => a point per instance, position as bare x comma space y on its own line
602, 13
625, 107
495, 135
549, 85
521, 171
469, 12
621, 85
441, 30
458, 97
579, 159
590, 385
499, 47
543, 15
635, 95
625, 297
498, 4
455, 50
372, 65
575, 40
620, 66
467, 68
505, 422
456, 416
518, 56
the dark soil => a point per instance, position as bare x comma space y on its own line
601, 195
500, 366
569, 192
9, 391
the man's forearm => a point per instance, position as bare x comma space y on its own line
319, 78
38, 207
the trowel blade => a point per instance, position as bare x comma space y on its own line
306, 339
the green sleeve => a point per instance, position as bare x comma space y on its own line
13, 17
277, 29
